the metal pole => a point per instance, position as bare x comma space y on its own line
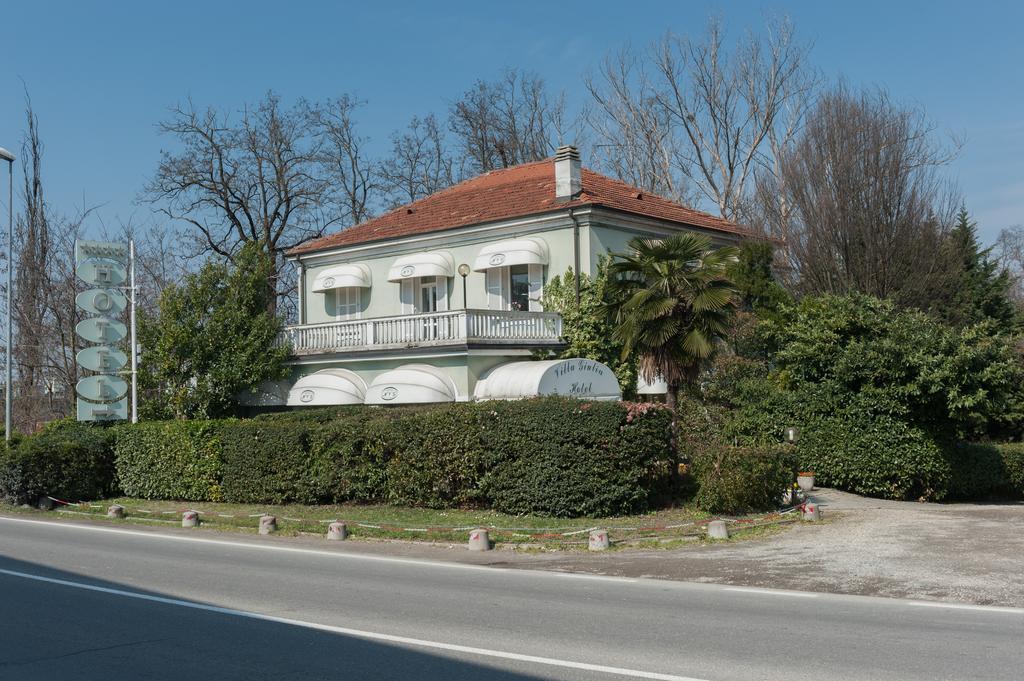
10, 266
134, 348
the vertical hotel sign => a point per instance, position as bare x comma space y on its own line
102, 395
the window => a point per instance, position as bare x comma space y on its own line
515, 287
347, 302
428, 296
519, 287
419, 295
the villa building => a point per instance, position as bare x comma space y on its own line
441, 299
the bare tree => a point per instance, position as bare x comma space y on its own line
635, 136
350, 174
279, 177
1009, 250
31, 267
420, 162
508, 121
734, 111
870, 209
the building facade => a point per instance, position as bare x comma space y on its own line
441, 300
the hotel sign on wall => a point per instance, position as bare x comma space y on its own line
103, 266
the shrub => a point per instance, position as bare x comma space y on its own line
271, 463
1013, 468
743, 479
988, 470
169, 460
874, 455
567, 458
977, 471
67, 460
358, 449
436, 457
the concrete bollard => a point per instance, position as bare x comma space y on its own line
337, 531
268, 524
45, 503
717, 529
479, 540
599, 540
115, 511
810, 512
189, 519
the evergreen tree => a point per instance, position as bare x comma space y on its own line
754, 279
211, 338
980, 287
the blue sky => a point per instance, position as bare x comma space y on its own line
101, 74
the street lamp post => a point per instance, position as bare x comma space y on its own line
9, 157
464, 272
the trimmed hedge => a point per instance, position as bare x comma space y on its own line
743, 479
987, 470
567, 458
67, 460
169, 460
551, 455
270, 462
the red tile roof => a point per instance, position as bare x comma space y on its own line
518, 191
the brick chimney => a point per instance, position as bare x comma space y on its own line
567, 173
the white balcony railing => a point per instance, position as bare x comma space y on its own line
435, 328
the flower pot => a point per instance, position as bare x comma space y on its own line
806, 481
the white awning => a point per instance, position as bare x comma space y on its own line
327, 387
412, 384
528, 251
430, 264
582, 378
342, 276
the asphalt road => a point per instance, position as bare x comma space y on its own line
104, 602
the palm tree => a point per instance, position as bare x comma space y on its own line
671, 301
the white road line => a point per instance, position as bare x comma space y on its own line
965, 606
315, 552
770, 592
370, 635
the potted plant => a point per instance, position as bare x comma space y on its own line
805, 480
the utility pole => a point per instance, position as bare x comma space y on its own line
133, 340
9, 157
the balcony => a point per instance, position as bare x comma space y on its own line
457, 327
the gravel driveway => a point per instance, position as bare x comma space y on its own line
972, 553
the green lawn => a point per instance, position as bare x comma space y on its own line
666, 527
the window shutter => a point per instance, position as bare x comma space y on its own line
536, 276
406, 296
494, 282
442, 294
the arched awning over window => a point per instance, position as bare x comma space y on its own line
526, 251
582, 378
426, 264
412, 384
327, 387
342, 276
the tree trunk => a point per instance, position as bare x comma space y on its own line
671, 399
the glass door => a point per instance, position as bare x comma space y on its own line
427, 301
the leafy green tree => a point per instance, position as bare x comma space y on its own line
671, 302
905, 364
586, 327
211, 338
981, 287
